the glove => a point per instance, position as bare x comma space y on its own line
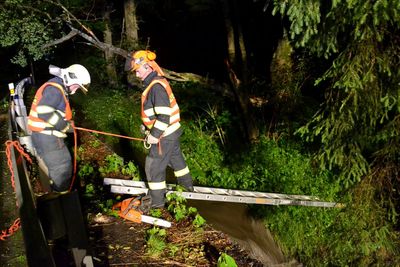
71, 126
143, 129
152, 140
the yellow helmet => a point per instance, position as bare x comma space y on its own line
139, 58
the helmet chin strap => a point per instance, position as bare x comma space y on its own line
68, 87
65, 81
74, 77
73, 90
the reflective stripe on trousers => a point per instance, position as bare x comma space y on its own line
156, 166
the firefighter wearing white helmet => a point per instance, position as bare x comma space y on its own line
76, 74
50, 119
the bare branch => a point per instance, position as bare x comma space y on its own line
179, 77
94, 41
62, 39
30, 8
89, 31
171, 75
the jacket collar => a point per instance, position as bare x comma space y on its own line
149, 79
60, 82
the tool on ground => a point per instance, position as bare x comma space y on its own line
121, 186
132, 209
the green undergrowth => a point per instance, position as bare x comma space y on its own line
178, 209
113, 111
356, 235
3, 105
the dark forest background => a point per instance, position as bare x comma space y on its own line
289, 96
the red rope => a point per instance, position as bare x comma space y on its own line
92, 131
116, 135
17, 223
75, 154
10, 231
21, 150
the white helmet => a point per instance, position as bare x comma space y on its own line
76, 74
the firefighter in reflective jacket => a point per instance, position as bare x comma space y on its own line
160, 116
50, 119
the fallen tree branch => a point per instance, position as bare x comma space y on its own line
102, 46
93, 40
57, 3
61, 40
175, 76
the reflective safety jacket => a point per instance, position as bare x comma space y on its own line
50, 118
157, 116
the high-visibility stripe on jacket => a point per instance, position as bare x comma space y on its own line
37, 124
149, 115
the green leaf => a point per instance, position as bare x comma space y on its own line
225, 260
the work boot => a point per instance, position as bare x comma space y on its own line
186, 183
157, 198
189, 188
145, 204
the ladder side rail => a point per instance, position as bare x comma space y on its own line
226, 198
210, 190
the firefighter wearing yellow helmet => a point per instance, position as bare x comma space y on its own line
161, 118
50, 119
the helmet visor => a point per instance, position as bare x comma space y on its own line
132, 64
137, 63
128, 63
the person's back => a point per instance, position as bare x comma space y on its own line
50, 119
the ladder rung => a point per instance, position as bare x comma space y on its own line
210, 190
225, 198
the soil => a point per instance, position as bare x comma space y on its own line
122, 243
11, 247
117, 242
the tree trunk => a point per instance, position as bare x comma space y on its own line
131, 26
236, 63
109, 56
240, 64
230, 33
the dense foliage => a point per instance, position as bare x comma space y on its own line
358, 234
337, 60
358, 123
359, 120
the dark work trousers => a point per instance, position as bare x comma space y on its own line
57, 159
166, 153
